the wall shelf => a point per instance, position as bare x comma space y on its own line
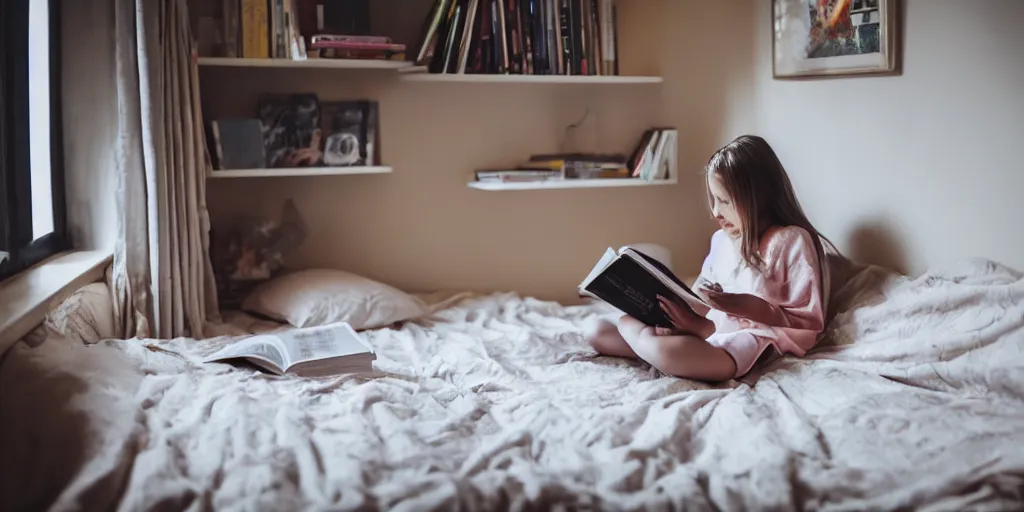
568, 184
298, 171
417, 75
308, 63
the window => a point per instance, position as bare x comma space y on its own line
32, 221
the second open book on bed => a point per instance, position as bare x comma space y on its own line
631, 281
329, 349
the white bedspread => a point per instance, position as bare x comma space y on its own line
916, 400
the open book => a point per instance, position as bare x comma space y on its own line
333, 348
631, 281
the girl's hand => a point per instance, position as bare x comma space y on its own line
684, 320
677, 314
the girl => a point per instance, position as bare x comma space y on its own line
765, 278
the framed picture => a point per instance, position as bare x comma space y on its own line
833, 37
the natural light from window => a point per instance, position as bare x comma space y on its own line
39, 116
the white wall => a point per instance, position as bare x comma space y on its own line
90, 122
920, 169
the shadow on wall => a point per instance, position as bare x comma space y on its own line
876, 244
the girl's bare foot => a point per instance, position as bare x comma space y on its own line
604, 337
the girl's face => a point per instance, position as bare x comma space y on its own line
723, 208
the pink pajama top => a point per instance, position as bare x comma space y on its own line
792, 282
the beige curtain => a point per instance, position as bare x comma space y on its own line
161, 279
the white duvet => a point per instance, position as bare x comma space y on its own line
915, 399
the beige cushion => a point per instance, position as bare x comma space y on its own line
317, 297
86, 316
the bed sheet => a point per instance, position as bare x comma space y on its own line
914, 399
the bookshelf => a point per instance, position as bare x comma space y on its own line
299, 171
238, 62
569, 184
409, 72
418, 74
399, 25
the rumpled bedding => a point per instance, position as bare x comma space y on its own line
914, 399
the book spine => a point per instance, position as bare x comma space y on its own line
565, 27
554, 38
515, 56
454, 37
255, 29
500, 37
594, 26
277, 47
540, 37
467, 37
229, 11
429, 38
584, 36
615, 38
608, 41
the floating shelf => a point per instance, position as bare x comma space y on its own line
308, 63
298, 171
411, 75
569, 183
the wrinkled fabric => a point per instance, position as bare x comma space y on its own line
914, 400
791, 281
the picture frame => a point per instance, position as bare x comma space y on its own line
833, 38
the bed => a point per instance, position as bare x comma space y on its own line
914, 399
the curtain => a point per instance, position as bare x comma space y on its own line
162, 278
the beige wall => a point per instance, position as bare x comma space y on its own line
421, 228
934, 174
920, 169
90, 122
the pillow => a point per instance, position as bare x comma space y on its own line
86, 316
320, 296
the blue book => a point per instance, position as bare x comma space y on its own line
239, 143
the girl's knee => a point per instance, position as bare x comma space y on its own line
599, 329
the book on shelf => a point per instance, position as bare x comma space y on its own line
516, 175
655, 157
631, 281
238, 143
264, 29
322, 350
530, 37
289, 29
335, 46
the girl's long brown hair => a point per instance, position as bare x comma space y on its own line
762, 193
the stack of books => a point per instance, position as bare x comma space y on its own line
290, 29
654, 158
530, 37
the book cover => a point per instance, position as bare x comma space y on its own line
349, 129
631, 281
239, 143
291, 129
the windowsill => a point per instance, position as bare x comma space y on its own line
26, 297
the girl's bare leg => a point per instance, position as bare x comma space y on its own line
684, 355
605, 338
